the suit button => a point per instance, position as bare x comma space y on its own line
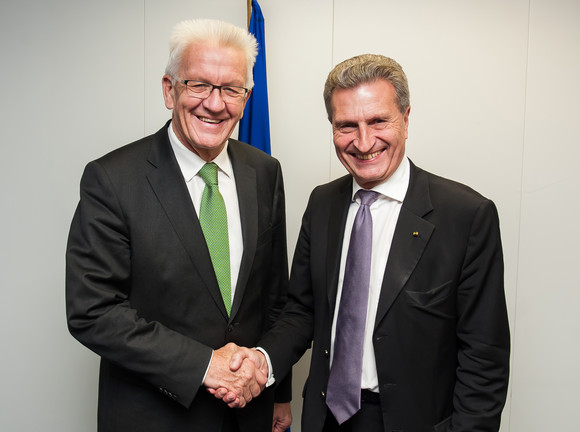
323, 395
230, 328
326, 353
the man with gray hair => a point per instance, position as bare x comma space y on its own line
177, 252
397, 277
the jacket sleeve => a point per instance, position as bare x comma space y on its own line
292, 334
482, 329
279, 277
99, 312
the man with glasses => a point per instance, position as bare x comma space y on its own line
177, 252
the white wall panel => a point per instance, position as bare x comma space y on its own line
299, 43
545, 376
72, 89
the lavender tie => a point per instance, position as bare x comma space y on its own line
344, 384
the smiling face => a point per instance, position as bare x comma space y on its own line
369, 131
204, 125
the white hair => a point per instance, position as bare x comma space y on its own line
211, 31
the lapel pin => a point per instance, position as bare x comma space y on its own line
415, 233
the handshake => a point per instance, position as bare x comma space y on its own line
236, 375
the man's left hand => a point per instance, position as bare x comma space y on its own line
282, 417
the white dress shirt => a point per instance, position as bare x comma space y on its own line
385, 213
190, 164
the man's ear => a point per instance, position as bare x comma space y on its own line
406, 121
246, 101
168, 91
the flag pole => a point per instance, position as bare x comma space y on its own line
249, 9
254, 126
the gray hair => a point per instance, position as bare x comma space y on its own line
211, 31
364, 69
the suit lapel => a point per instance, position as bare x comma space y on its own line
248, 201
336, 224
411, 236
169, 187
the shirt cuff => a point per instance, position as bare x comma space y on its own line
207, 369
271, 379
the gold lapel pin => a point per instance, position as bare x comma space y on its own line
415, 233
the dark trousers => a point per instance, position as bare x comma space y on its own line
368, 419
230, 420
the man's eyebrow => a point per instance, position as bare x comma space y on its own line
343, 123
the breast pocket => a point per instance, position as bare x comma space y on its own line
437, 301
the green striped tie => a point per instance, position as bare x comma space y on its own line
214, 223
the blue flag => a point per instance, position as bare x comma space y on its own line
255, 124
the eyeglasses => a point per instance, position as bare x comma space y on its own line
202, 90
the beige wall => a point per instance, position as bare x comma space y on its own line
494, 102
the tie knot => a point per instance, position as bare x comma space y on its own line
208, 173
367, 197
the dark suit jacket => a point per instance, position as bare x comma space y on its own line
141, 291
441, 336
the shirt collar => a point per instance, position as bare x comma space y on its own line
190, 163
395, 187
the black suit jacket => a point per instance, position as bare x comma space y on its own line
441, 335
141, 291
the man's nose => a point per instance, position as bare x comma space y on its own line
214, 101
366, 139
